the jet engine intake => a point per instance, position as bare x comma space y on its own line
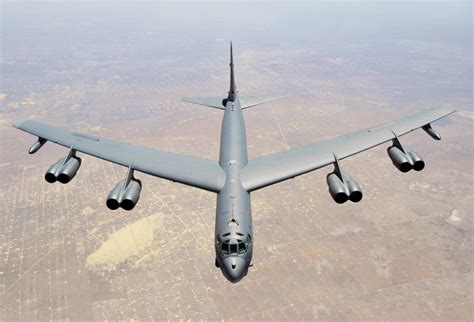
124, 195
343, 190
63, 171
337, 188
417, 161
405, 161
69, 170
399, 159
355, 193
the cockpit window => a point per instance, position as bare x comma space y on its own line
233, 249
225, 248
242, 248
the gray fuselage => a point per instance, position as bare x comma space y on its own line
233, 235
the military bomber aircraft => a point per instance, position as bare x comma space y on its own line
233, 177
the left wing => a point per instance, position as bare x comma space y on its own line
188, 170
288, 164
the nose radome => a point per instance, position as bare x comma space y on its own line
235, 268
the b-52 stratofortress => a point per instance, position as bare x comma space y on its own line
233, 177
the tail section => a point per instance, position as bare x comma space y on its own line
233, 88
220, 103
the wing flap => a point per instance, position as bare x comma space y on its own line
189, 170
273, 168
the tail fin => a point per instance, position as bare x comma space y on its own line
219, 103
233, 88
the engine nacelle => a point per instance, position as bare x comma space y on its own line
131, 195
405, 161
399, 159
417, 162
69, 170
63, 172
337, 188
50, 175
355, 192
124, 196
114, 197
341, 191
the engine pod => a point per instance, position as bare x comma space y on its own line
337, 188
51, 174
131, 195
418, 163
69, 170
355, 192
123, 195
399, 159
115, 195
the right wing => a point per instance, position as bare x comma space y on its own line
188, 170
288, 164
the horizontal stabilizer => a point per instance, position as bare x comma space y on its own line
215, 102
249, 101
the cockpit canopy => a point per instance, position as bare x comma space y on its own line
234, 247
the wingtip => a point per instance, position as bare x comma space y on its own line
18, 123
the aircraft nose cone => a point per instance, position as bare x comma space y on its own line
234, 268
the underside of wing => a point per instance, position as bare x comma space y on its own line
188, 170
288, 164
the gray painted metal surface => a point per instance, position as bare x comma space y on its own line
233, 177
284, 165
193, 171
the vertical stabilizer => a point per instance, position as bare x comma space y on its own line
233, 88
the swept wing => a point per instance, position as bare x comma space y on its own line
188, 170
273, 168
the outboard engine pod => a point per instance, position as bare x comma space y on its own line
399, 159
51, 174
64, 169
69, 170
